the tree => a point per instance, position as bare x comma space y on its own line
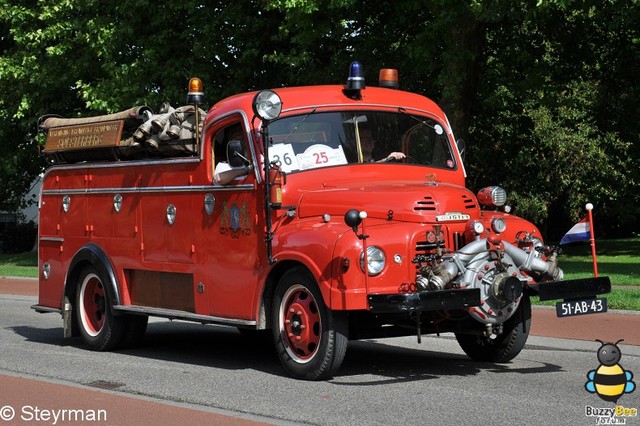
88, 58
544, 79
530, 84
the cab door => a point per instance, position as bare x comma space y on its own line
235, 230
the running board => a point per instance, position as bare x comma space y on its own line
181, 315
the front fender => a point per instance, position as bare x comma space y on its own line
351, 286
309, 243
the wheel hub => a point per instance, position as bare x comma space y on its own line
93, 305
301, 323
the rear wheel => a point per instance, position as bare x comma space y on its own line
311, 340
505, 346
99, 328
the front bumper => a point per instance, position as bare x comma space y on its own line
424, 301
581, 288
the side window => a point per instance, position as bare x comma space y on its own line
221, 139
225, 171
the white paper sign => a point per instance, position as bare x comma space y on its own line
320, 155
282, 153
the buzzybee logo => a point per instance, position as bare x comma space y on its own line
609, 381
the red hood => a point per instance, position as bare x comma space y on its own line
408, 201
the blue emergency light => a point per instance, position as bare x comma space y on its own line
355, 81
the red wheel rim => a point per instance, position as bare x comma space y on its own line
92, 304
301, 324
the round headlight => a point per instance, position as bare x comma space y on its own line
492, 196
375, 260
498, 225
267, 105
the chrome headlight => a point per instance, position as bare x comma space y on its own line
492, 196
375, 260
267, 105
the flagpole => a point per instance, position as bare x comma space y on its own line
589, 207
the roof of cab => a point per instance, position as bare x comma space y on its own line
299, 99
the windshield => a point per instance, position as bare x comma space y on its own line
315, 140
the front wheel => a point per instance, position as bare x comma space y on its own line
507, 345
311, 340
99, 328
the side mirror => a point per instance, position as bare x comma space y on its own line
235, 154
462, 147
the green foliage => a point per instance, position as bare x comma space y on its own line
544, 91
566, 157
541, 112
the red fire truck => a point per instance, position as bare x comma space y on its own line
343, 215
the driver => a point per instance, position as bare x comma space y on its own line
367, 143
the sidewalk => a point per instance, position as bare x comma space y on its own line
610, 326
34, 399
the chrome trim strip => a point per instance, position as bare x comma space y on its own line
248, 135
360, 107
150, 189
176, 314
52, 239
128, 163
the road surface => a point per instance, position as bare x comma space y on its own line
187, 373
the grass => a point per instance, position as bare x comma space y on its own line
617, 259
19, 265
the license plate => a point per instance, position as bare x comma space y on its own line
570, 308
451, 216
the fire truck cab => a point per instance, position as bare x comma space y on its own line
320, 213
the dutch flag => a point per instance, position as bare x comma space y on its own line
579, 232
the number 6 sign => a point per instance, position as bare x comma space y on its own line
284, 156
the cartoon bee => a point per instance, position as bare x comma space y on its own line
609, 380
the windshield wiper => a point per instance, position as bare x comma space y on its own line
436, 128
296, 126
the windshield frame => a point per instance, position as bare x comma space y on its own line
307, 138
